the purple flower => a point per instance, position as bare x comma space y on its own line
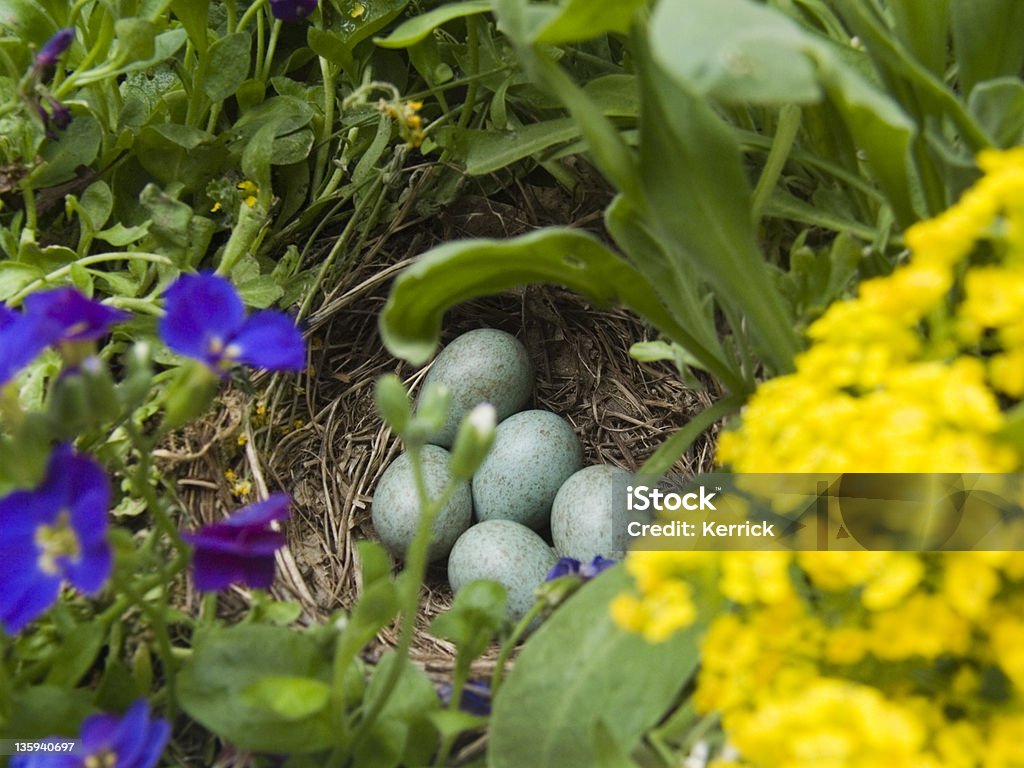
292, 10
240, 549
60, 115
53, 48
475, 699
569, 566
53, 533
134, 740
70, 316
50, 317
206, 320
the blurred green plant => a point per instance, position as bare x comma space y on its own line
854, 120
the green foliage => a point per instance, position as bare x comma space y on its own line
580, 681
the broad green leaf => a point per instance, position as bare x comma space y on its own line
488, 151
615, 95
28, 20
292, 148
410, 32
580, 669
220, 687
455, 272
286, 113
136, 41
329, 45
998, 106
77, 145
78, 651
14, 276
228, 66
291, 698
734, 50
923, 28
193, 14
987, 40
178, 154
579, 20
608, 753
46, 710
884, 133
698, 202
450, 722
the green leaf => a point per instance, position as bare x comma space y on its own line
221, 686
136, 41
28, 20
410, 32
286, 113
193, 15
293, 148
698, 202
607, 751
119, 235
734, 50
402, 733
578, 20
488, 151
78, 651
45, 710
987, 40
475, 616
455, 272
14, 276
291, 698
97, 203
376, 564
77, 145
615, 95
451, 723
580, 669
180, 154
228, 66
998, 106
923, 28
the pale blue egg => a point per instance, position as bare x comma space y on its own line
481, 366
396, 508
586, 510
505, 552
534, 452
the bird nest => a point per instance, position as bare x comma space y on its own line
319, 438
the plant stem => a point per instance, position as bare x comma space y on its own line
473, 43
268, 59
509, 644
323, 151
785, 134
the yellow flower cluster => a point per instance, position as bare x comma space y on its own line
848, 659
922, 355
407, 115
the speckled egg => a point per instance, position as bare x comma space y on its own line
482, 366
506, 552
396, 509
534, 452
583, 515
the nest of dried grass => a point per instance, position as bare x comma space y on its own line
322, 441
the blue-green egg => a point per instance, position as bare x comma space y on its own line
481, 366
583, 515
505, 552
534, 452
396, 508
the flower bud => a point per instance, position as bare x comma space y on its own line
393, 403
474, 440
189, 395
431, 415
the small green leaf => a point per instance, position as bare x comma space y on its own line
78, 144
418, 27
119, 235
14, 276
488, 151
228, 67
221, 687
579, 20
402, 733
98, 203
193, 14
136, 41
998, 106
451, 723
78, 651
291, 698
